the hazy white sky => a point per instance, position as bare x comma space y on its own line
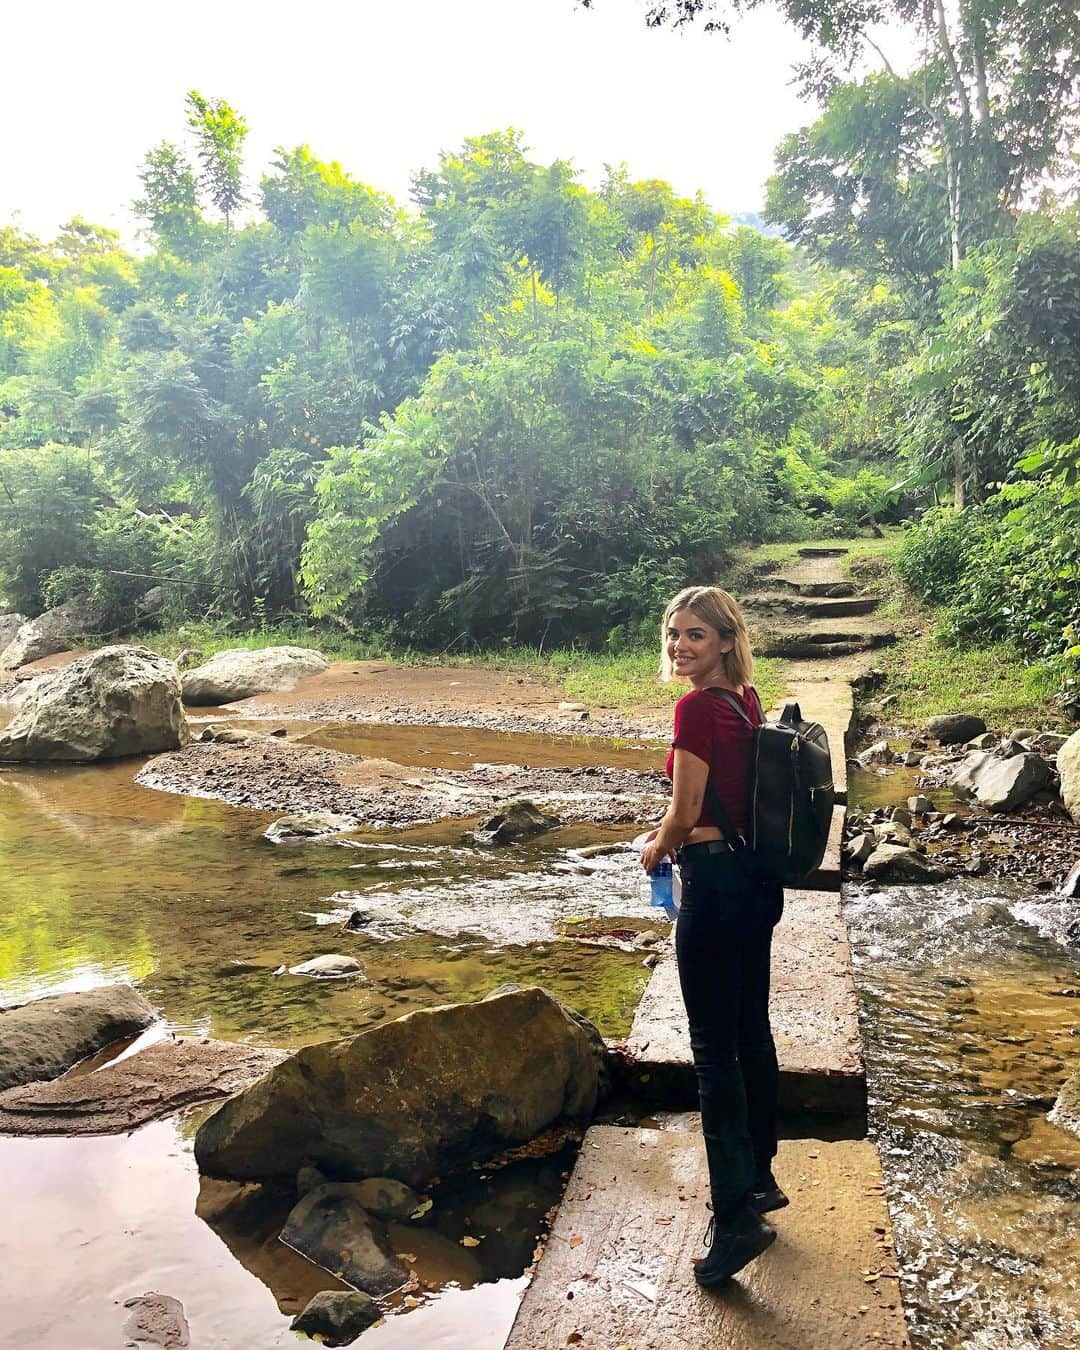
382, 87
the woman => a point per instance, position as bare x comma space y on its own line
724, 932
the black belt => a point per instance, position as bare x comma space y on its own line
689, 852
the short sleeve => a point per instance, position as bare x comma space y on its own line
694, 727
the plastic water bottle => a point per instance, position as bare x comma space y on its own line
662, 888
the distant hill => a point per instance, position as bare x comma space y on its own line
755, 222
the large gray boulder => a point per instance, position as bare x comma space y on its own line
953, 728
54, 631
434, 1090
116, 701
330, 1227
1001, 784
9, 626
235, 674
1068, 767
45, 1038
900, 863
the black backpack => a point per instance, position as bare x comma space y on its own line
791, 795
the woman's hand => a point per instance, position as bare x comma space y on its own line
653, 853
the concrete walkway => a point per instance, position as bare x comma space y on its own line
617, 1274
814, 1017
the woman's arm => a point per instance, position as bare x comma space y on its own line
689, 774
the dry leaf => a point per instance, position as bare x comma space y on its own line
422, 1208
470, 1242
576, 1240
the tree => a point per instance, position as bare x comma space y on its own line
169, 203
995, 84
220, 132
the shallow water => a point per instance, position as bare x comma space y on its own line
100, 1221
969, 1033
109, 880
106, 880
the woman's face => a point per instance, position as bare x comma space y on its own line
694, 647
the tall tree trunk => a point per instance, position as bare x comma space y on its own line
958, 472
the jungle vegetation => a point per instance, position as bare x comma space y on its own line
521, 409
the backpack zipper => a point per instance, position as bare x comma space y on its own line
791, 799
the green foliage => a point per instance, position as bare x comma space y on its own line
1007, 569
859, 500
522, 410
999, 377
935, 553
47, 501
539, 492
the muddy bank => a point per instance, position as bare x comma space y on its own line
428, 696
165, 1078
282, 776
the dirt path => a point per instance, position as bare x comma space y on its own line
467, 696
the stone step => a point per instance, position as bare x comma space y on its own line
815, 551
816, 638
784, 582
814, 1018
616, 1272
809, 606
810, 652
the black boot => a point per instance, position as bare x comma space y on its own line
765, 1195
733, 1242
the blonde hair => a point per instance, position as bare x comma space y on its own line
720, 611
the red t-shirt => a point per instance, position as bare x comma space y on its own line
709, 727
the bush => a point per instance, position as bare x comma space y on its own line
1009, 568
48, 497
859, 500
935, 552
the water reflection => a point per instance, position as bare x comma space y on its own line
103, 880
92, 1222
108, 880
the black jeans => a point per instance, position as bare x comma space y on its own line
723, 942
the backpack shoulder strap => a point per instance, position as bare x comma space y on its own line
730, 699
720, 816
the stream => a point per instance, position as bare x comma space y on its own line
106, 880
968, 1006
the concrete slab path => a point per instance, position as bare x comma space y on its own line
823, 700
813, 1010
617, 1273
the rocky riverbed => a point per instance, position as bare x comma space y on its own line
274, 775
986, 805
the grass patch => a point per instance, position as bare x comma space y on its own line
930, 676
625, 680
333, 643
